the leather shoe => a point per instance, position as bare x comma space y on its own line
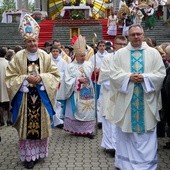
29, 165
91, 136
99, 125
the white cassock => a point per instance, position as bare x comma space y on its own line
61, 65
97, 61
136, 150
108, 129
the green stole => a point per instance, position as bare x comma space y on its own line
137, 101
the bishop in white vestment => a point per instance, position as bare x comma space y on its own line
79, 113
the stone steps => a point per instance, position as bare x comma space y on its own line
161, 32
10, 36
62, 30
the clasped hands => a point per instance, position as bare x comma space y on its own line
136, 77
83, 80
34, 79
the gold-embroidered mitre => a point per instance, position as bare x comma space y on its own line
29, 28
80, 45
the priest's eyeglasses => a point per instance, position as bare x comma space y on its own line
135, 34
122, 44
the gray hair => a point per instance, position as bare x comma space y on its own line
134, 26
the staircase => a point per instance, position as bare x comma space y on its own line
46, 32
104, 31
50, 30
161, 32
62, 30
10, 37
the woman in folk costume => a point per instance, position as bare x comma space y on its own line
138, 16
79, 114
32, 80
124, 19
112, 24
150, 17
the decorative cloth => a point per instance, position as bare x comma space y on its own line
137, 102
30, 150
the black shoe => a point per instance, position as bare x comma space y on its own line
167, 146
117, 168
168, 143
91, 136
99, 125
111, 152
9, 123
29, 165
60, 126
2, 123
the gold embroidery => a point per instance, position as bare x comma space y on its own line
34, 98
33, 70
87, 105
33, 126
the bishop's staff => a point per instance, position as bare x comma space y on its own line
95, 77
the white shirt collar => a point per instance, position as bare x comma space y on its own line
32, 56
58, 58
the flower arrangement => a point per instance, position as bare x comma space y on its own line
77, 14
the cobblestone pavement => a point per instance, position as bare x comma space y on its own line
68, 152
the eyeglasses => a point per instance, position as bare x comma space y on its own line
135, 34
122, 44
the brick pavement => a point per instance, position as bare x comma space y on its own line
68, 152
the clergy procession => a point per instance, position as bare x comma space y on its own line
86, 106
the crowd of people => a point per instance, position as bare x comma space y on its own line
116, 87
132, 12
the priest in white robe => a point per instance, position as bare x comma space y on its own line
61, 64
108, 129
96, 61
137, 76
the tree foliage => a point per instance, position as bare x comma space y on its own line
8, 5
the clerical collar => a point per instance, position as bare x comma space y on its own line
58, 58
102, 54
32, 56
142, 47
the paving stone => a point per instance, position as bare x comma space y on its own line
67, 152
